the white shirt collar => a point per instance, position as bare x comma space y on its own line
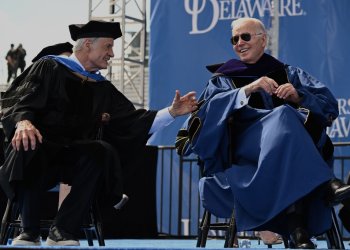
74, 58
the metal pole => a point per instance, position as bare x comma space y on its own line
90, 9
275, 29
143, 35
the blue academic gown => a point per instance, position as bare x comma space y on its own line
276, 162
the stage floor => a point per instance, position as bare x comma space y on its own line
176, 244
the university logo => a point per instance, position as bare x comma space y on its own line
340, 129
233, 9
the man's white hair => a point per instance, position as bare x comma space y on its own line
260, 26
79, 44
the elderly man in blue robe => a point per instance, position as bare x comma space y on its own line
278, 175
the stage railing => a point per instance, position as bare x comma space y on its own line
178, 205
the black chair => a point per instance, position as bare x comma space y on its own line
11, 220
11, 223
229, 228
333, 235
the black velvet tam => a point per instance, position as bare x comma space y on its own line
95, 29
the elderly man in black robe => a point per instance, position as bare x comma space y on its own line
53, 114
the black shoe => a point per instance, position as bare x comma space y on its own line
336, 192
27, 239
59, 237
344, 216
300, 239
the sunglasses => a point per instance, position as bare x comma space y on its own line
244, 36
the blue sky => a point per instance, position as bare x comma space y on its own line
36, 24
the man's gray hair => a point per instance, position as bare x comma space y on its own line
260, 26
79, 44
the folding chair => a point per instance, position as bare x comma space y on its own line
11, 220
229, 228
11, 223
333, 235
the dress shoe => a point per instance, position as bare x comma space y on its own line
27, 239
344, 216
336, 192
60, 237
300, 239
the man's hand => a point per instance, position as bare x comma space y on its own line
288, 93
25, 133
285, 91
183, 104
263, 83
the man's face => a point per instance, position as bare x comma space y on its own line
100, 53
248, 51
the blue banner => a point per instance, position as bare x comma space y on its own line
187, 35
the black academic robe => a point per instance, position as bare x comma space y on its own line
67, 109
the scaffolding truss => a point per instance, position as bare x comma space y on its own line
128, 69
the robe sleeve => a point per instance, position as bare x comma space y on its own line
27, 95
128, 129
316, 96
205, 132
128, 121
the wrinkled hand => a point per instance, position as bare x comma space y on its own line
285, 91
26, 134
288, 92
263, 83
183, 104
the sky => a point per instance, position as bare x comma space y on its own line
39, 23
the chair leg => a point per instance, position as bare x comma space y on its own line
203, 229
334, 238
99, 235
5, 224
88, 235
10, 234
97, 222
285, 241
200, 233
231, 233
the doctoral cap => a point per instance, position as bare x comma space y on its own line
95, 29
55, 49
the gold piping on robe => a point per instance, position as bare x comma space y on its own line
83, 78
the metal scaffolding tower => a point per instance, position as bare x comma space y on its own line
128, 69
273, 30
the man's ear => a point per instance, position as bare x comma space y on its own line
87, 43
265, 40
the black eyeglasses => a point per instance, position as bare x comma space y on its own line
244, 36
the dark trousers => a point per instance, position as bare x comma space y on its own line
296, 216
82, 166
9, 72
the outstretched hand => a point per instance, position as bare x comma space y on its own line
183, 105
